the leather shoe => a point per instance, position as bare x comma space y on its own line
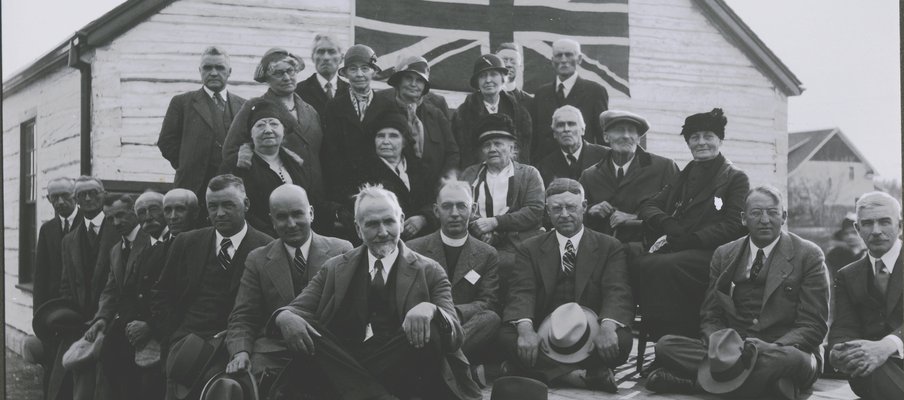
601, 379
662, 380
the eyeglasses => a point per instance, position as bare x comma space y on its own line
461, 207
88, 193
557, 209
772, 213
58, 196
279, 73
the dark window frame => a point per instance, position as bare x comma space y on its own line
28, 199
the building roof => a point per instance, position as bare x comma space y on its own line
131, 12
802, 146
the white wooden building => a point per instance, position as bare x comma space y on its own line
94, 104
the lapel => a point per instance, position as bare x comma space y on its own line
405, 277
234, 102
317, 90
575, 90
205, 254
200, 104
349, 113
779, 265
433, 249
344, 274
294, 125
723, 282
720, 180
894, 289
241, 253
513, 186
860, 282
641, 159
317, 254
76, 275
389, 174
465, 261
550, 262
276, 269
587, 259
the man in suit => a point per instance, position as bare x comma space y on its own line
866, 338
197, 288
623, 177
324, 84
86, 265
48, 257
274, 275
196, 123
470, 264
575, 154
772, 288
589, 97
569, 264
377, 322
511, 56
180, 209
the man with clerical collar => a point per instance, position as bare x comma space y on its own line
770, 287
624, 176
575, 154
569, 265
274, 275
377, 322
324, 84
471, 266
866, 340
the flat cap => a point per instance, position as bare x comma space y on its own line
610, 117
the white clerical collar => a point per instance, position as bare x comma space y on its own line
235, 239
305, 247
575, 240
452, 242
98, 220
210, 93
569, 83
889, 258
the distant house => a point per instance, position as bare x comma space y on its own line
95, 103
826, 174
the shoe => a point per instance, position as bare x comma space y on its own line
601, 379
573, 379
478, 374
662, 380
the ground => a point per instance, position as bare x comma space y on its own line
23, 380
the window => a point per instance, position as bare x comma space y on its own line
28, 195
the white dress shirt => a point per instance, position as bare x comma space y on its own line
889, 259
624, 168
752, 250
236, 240
499, 187
210, 93
305, 247
98, 220
576, 154
569, 83
333, 82
388, 261
163, 233
70, 218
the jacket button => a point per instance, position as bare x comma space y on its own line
140, 296
756, 321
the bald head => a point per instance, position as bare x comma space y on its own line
180, 208
291, 214
149, 209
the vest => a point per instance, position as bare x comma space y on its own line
748, 295
381, 307
563, 291
208, 314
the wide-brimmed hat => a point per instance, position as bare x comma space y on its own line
83, 353
148, 355
713, 121
56, 316
518, 388
568, 332
359, 54
411, 65
190, 358
32, 349
728, 363
274, 54
610, 117
493, 126
222, 386
487, 62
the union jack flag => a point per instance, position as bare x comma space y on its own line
451, 34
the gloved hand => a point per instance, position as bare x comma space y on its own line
244, 157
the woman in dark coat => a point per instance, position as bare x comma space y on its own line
271, 165
684, 223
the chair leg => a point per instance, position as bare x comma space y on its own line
641, 351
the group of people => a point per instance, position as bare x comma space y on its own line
326, 240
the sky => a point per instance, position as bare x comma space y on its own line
846, 53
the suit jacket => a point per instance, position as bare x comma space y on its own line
267, 285
303, 136
589, 97
415, 201
122, 271
526, 200
554, 165
523, 97
189, 140
477, 256
49, 259
73, 285
441, 153
601, 278
468, 115
312, 93
860, 310
178, 285
419, 279
795, 306
647, 175
714, 222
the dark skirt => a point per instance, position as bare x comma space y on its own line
670, 289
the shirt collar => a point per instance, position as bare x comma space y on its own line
305, 247
70, 218
452, 242
507, 172
624, 167
766, 250
889, 258
210, 93
163, 233
402, 166
577, 153
575, 240
98, 220
388, 261
323, 81
569, 83
235, 239
134, 233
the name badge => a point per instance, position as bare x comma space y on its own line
368, 332
472, 277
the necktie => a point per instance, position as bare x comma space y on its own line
560, 94
92, 234
328, 88
568, 259
882, 276
377, 283
757, 264
218, 99
571, 160
300, 263
487, 197
223, 256
619, 174
126, 248
65, 226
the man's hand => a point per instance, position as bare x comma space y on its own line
296, 332
417, 324
483, 226
842, 357
240, 362
413, 225
96, 328
138, 332
528, 344
619, 218
606, 342
601, 209
867, 355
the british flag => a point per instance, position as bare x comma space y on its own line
451, 34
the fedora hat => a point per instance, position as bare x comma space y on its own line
83, 353
411, 65
148, 355
56, 316
32, 349
359, 54
487, 62
518, 388
610, 117
188, 361
567, 333
222, 386
728, 363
